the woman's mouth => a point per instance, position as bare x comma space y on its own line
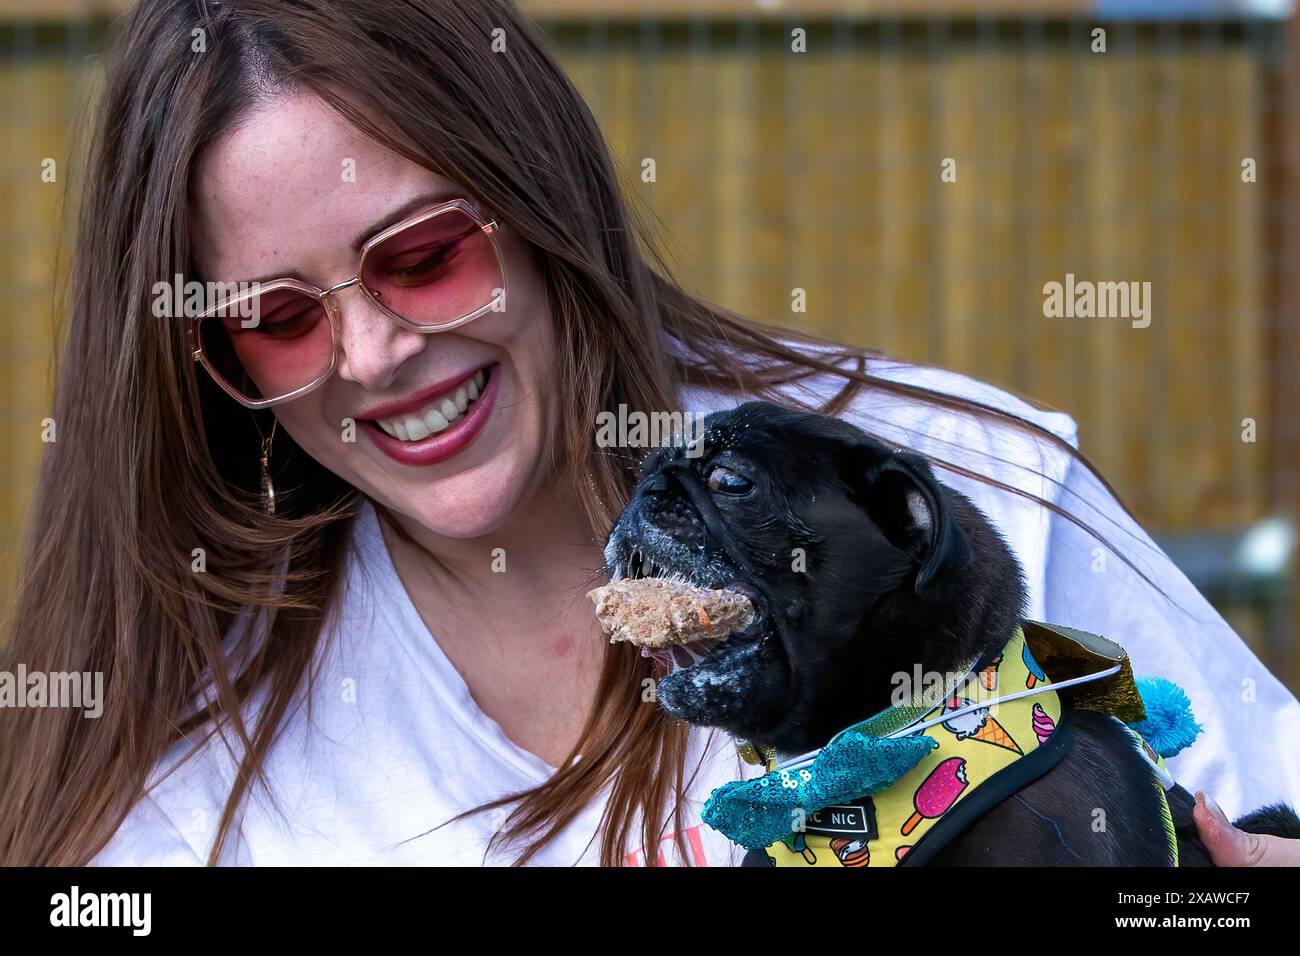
438, 414
441, 426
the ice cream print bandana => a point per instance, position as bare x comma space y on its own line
868, 799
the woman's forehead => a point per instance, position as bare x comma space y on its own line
288, 189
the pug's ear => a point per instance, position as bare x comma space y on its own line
907, 502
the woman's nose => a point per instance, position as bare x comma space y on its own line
372, 345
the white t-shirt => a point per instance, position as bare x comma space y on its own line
395, 744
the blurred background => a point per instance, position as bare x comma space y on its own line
813, 160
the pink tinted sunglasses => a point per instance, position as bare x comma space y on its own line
277, 340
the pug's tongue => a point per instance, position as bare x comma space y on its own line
681, 655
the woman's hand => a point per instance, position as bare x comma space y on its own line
1229, 846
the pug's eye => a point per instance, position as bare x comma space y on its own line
728, 482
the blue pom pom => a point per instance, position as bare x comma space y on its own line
1170, 726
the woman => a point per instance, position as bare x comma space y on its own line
331, 558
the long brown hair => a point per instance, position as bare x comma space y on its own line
152, 472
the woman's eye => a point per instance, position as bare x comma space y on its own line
728, 482
420, 265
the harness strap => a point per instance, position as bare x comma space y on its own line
1001, 786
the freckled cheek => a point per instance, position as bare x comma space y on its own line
529, 340
524, 328
542, 386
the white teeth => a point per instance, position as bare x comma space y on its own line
435, 420
439, 414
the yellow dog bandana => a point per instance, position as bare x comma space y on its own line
1000, 728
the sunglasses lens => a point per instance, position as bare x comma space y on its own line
434, 272
270, 345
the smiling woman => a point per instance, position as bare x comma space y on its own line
449, 291
392, 261
450, 297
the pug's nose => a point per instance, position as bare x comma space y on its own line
666, 507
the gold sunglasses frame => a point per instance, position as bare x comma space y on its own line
325, 297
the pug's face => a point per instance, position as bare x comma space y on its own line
817, 524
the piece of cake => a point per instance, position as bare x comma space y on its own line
660, 612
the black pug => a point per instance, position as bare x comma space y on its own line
900, 570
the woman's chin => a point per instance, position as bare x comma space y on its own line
463, 506
459, 525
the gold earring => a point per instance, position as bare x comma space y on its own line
268, 489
